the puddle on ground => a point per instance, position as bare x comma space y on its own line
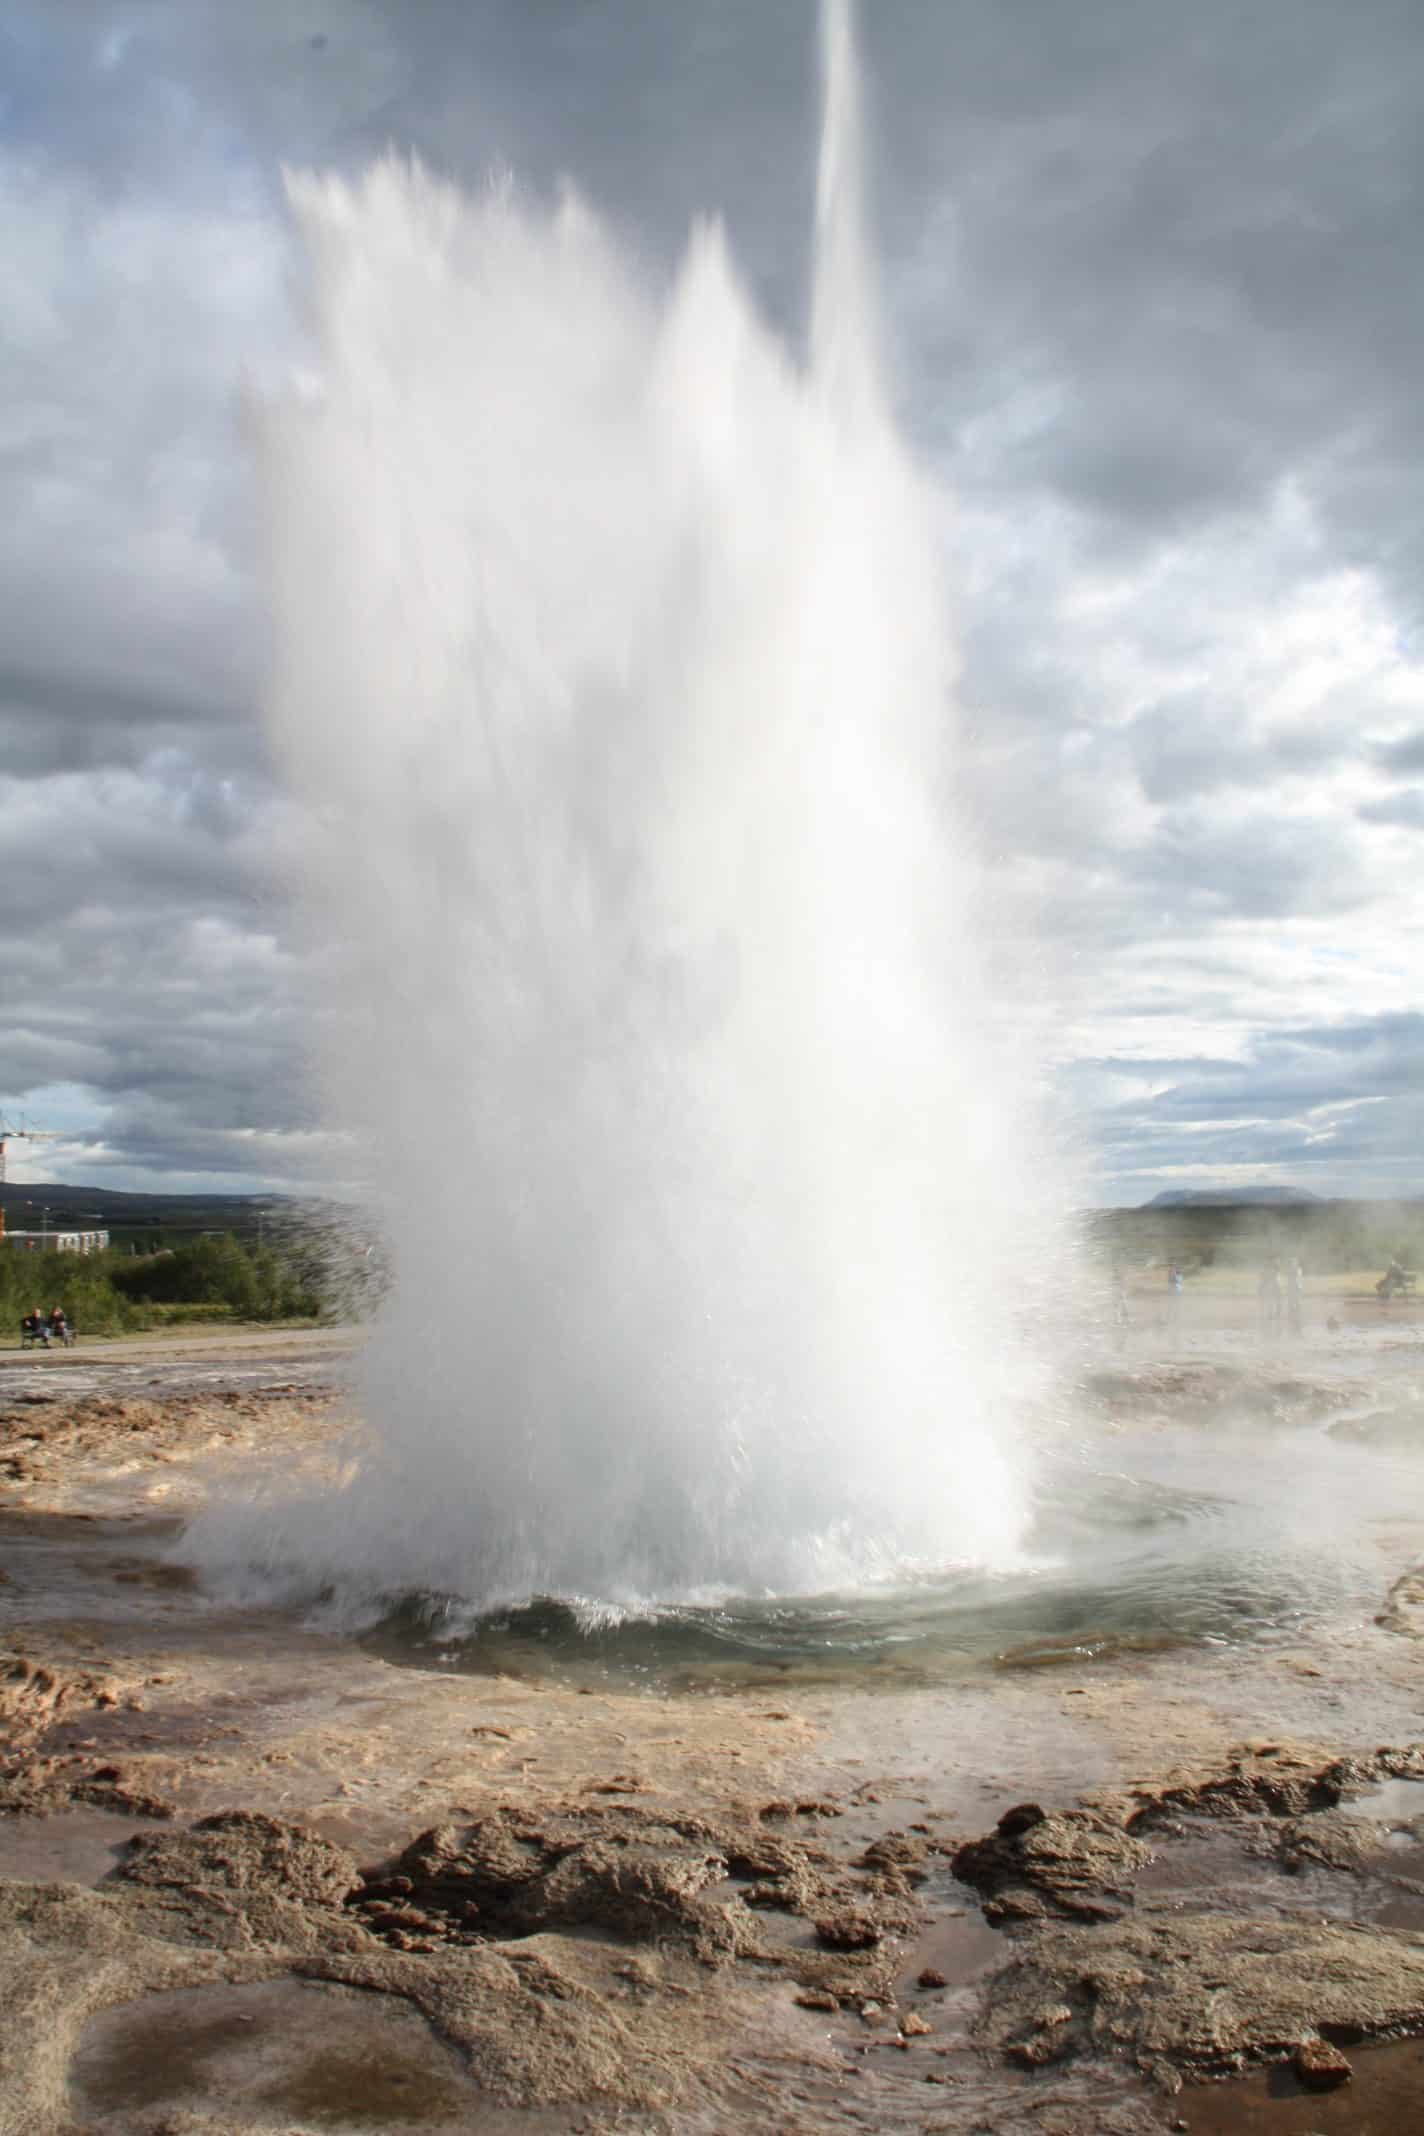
72, 1846
960, 1945
333, 2059
1392, 1802
1385, 2097
1205, 1863
1406, 1912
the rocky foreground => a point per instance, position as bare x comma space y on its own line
254, 1877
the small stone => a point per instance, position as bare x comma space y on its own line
817, 1999
913, 2025
1321, 2067
931, 1977
849, 1929
1034, 2053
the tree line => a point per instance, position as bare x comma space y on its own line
210, 1277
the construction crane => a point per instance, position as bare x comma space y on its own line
22, 1134
10, 1134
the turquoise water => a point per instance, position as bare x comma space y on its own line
1178, 1538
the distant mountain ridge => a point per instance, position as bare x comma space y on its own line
43, 1205
1230, 1198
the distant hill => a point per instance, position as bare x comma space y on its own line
38, 1205
1236, 1229
1230, 1198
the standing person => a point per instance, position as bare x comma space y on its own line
1394, 1279
1174, 1297
1295, 1279
1121, 1311
1268, 1298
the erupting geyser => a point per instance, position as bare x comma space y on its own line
612, 668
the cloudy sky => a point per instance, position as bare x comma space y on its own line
1156, 316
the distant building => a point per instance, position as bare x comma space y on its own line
58, 1241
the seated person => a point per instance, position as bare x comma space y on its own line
58, 1325
34, 1327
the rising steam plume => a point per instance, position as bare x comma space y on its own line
612, 670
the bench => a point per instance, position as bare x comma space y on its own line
44, 1338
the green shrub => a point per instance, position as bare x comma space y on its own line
247, 1282
210, 1278
183, 1316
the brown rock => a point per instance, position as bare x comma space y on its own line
243, 1852
1330, 1839
646, 1874
1078, 1864
1037, 2051
1022, 1818
34, 1695
1271, 1780
1319, 2066
849, 1928
1203, 1994
899, 1856
36, 1787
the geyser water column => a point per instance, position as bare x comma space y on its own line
612, 670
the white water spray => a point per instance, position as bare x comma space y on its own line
611, 662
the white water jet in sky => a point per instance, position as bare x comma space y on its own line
612, 666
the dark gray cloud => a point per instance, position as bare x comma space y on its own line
1406, 810
1405, 755
1192, 744
1278, 1111
1156, 323
1192, 237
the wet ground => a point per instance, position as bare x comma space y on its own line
280, 2051
136, 1699
1385, 2097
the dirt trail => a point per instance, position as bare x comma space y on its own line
183, 1347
